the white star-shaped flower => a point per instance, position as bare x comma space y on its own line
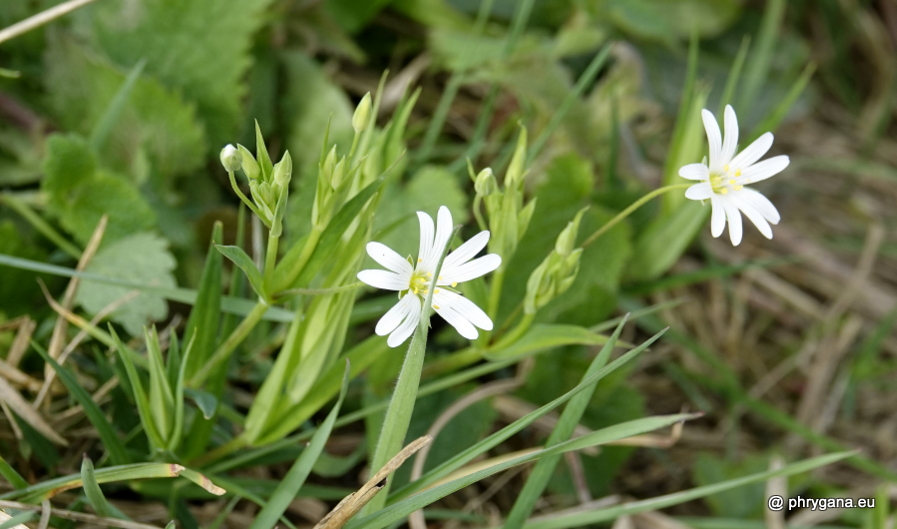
723, 181
412, 280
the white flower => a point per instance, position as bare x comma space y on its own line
724, 180
412, 280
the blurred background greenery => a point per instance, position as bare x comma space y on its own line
787, 345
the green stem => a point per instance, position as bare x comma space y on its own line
41, 225
515, 334
249, 204
401, 406
227, 347
318, 291
271, 257
495, 291
300, 262
628, 211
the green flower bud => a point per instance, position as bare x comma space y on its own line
485, 183
514, 175
566, 241
283, 171
524, 217
339, 173
250, 167
231, 158
362, 116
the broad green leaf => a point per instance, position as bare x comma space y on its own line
155, 124
240, 258
94, 495
110, 195
69, 164
667, 20
200, 48
289, 487
141, 258
111, 442
547, 336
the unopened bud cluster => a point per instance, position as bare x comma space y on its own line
269, 184
509, 217
557, 272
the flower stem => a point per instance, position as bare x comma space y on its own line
270, 258
628, 211
227, 347
401, 406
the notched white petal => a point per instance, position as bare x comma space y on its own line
730, 139
733, 217
388, 258
407, 327
752, 153
701, 191
394, 316
714, 138
470, 270
383, 279
695, 171
466, 251
762, 170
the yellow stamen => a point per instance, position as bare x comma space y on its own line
736, 188
737, 172
436, 291
723, 191
436, 307
726, 168
419, 260
454, 284
732, 181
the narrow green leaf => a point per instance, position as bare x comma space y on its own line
95, 494
113, 444
611, 513
160, 394
734, 75
547, 336
206, 311
14, 478
289, 487
493, 440
290, 272
174, 440
242, 260
104, 126
569, 420
229, 304
47, 489
18, 519
206, 402
143, 407
659, 246
781, 110
758, 67
399, 510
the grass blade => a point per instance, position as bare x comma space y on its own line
95, 495
143, 407
758, 69
7, 521
47, 489
403, 508
9, 474
493, 440
203, 321
104, 126
289, 487
569, 420
660, 502
113, 444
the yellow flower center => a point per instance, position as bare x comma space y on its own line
720, 186
419, 283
